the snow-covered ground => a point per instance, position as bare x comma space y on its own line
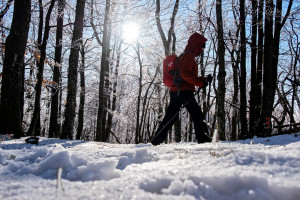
262, 168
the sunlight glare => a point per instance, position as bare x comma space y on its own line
130, 32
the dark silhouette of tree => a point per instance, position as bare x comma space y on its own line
222, 72
253, 91
54, 128
243, 74
34, 128
271, 54
104, 75
68, 125
82, 93
10, 107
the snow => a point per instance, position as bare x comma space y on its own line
261, 168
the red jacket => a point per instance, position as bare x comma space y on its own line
188, 66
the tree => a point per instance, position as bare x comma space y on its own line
54, 126
138, 138
253, 92
4, 11
258, 78
10, 108
203, 65
42, 45
68, 125
104, 75
271, 54
235, 99
243, 75
82, 93
114, 91
222, 72
295, 48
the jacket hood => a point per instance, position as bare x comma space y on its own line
194, 44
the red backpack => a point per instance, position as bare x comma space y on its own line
169, 69
171, 75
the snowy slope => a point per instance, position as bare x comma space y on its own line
262, 168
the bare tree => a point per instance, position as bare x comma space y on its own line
243, 75
114, 92
271, 54
258, 79
54, 128
235, 58
10, 107
222, 72
82, 92
295, 49
35, 121
138, 138
253, 93
68, 125
4, 11
104, 74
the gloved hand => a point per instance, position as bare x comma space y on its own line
203, 81
209, 78
206, 80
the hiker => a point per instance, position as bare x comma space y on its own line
185, 94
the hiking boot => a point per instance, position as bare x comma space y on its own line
203, 139
202, 130
157, 140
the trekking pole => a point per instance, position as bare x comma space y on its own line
163, 128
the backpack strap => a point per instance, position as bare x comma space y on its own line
177, 76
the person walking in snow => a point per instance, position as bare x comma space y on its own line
185, 94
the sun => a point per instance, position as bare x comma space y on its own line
130, 31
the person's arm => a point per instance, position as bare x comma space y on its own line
188, 71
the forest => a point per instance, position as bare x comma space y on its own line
92, 69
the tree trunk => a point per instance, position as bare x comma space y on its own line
56, 88
145, 104
82, 95
138, 124
258, 89
235, 100
253, 93
114, 92
67, 129
22, 92
271, 61
243, 74
10, 109
222, 73
268, 88
104, 75
41, 63
105, 135
166, 41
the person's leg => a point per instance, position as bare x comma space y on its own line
201, 129
167, 122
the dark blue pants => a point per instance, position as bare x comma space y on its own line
176, 101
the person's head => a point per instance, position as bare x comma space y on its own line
196, 44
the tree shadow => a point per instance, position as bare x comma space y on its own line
21, 144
